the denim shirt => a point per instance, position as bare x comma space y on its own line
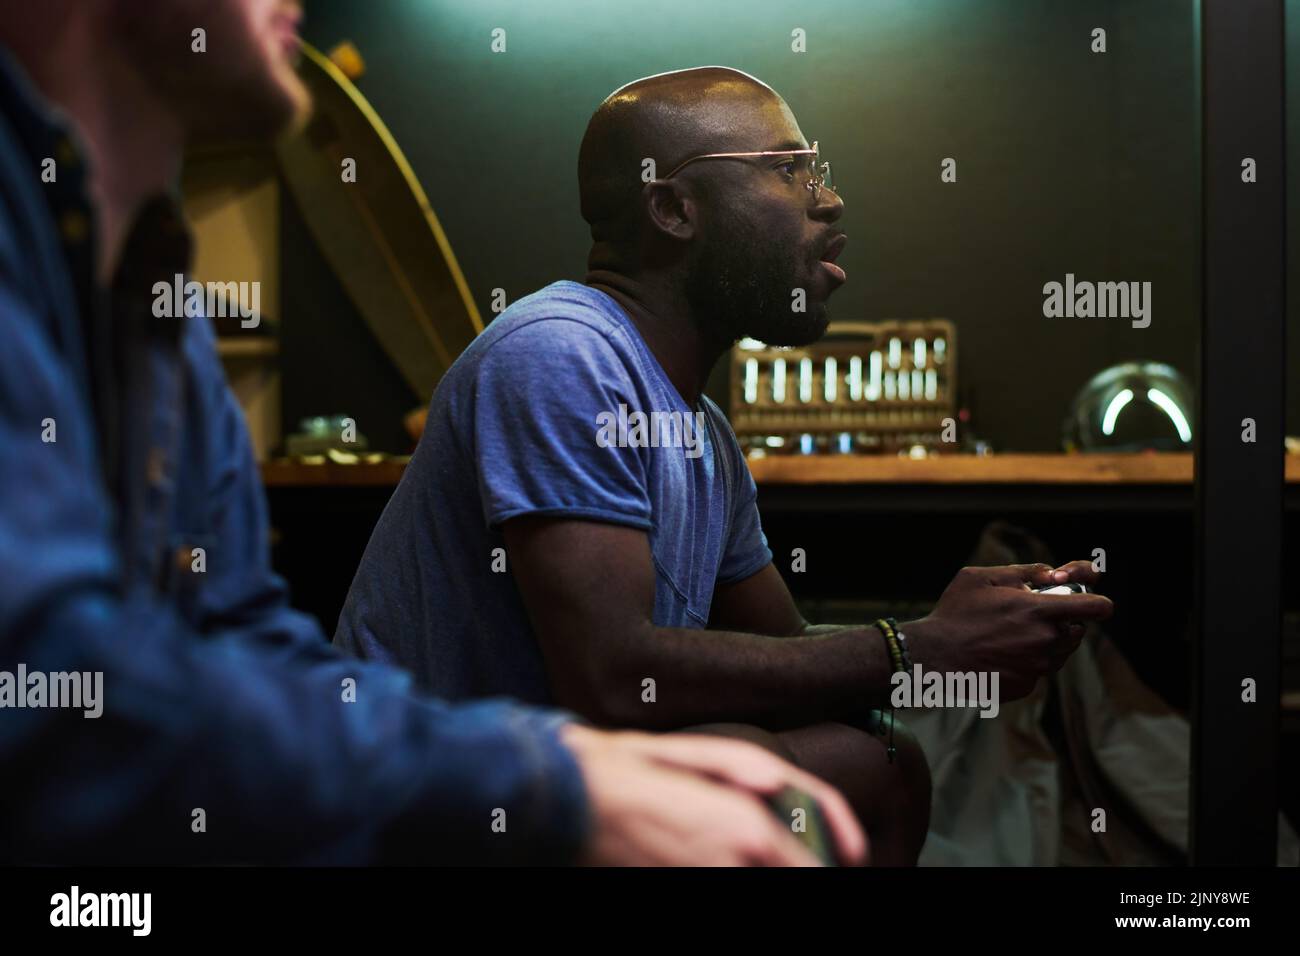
123, 451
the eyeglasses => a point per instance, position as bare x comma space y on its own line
815, 172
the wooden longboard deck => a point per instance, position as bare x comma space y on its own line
378, 234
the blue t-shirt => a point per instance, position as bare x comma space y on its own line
558, 408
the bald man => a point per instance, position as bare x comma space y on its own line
578, 524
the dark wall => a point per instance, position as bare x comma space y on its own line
1068, 161
330, 361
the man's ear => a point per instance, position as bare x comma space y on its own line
670, 208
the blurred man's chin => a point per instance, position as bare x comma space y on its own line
299, 108
259, 112
284, 105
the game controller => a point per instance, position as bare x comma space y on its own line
815, 833
1068, 588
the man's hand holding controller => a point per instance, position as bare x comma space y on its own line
690, 800
997, 619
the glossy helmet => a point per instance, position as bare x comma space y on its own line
1132, 407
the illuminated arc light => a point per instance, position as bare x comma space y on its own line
889, 385
940, 350
855, 378
916, 383
873, 385
805, 380
1113, 409
1170, 408
778, 380
806, 443
830, 374
846, 442
751, 345
931, 384
895, 352
751, 380
918, 353
903, 383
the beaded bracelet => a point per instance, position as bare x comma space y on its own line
902, 647
894, 642
898, 661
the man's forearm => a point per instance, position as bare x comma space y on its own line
815, 629
709, 676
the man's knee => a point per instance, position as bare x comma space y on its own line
890, 797
737, 731
908, 754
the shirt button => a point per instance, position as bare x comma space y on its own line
74, 226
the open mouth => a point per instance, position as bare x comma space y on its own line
833, 250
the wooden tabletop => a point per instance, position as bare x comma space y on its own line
292, 472
1164, 468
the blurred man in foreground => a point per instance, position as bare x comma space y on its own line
125, 452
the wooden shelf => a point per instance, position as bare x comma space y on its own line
263, 346
1161, 468
1169, 468
291, 472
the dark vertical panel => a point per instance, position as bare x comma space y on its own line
1239, 484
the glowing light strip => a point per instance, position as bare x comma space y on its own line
1170, 408
1113, 409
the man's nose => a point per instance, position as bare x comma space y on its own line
828, 207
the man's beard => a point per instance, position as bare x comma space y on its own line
246, 94
742, 284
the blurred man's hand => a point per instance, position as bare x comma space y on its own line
686, 800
